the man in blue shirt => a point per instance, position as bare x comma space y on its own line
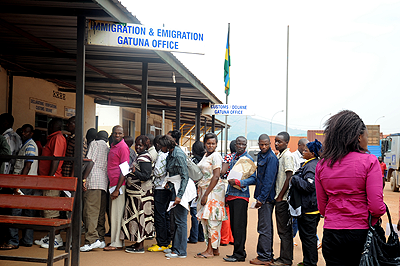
267, 168
238, 200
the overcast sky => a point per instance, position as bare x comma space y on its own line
342, 55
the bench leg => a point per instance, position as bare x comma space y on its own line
50, 255
68, 247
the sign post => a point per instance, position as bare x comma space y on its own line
139, 36
227, 109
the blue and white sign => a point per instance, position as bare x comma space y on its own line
227, 109
145, 37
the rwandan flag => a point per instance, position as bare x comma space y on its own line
227, 65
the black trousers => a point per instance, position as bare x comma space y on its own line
238, 212
308, 224
161, 217
343, 247
285, 231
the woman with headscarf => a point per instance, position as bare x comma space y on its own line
138, 220
348, 181
303, 181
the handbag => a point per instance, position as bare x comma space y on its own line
378, 250
194, 171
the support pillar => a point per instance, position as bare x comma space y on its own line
205, 125
213, 124
178, 109
79, 107
198, 121
222, 142
163, 123
145, 85
10, 92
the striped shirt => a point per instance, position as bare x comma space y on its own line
67, 165
98, 153
28, 149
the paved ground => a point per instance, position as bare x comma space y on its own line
121, 258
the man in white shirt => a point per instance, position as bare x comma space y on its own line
95, 193
13, 140
298, 154
298, 162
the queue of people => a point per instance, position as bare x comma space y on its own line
339, 181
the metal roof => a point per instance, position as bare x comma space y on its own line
38, 39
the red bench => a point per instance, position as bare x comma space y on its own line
38, 203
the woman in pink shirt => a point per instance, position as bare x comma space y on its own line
349, 185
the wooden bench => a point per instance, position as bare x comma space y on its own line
38, 203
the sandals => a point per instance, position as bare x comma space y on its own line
111, 248
8, 247
201, 256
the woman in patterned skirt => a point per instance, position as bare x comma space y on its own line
138, 220
211, 197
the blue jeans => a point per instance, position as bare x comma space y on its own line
27, 234
295, 227
196, 231
179, 242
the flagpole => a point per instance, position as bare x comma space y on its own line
287, 80
226, 130
227, 94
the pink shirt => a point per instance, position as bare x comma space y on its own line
348, 190
118, 154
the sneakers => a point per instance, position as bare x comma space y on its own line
40, 242
58, 242
169, 246
174, 255
131, 249
89, 247
102, 244
155, 248
168, 250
